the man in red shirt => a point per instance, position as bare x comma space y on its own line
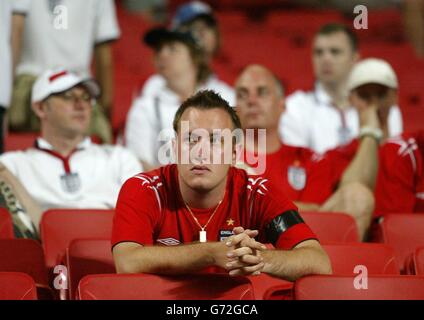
395, 165
173, 220
304, 176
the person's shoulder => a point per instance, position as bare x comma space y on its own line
305, 98
214, 82
403, 147
252, 183
153, 85
114, 152
159, 182
221, 87
18, 155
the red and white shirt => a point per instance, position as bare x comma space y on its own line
400, 179
90, 178
150, 211
300, 173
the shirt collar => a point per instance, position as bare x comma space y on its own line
43, 144
321, 95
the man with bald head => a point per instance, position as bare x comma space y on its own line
305, 177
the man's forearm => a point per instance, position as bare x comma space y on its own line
306, 206
104, 74
18, 23
33, 209
296, 263
166, 260
364, 166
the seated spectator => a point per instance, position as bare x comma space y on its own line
71, 34
174, 220
181, 62
65, 169
12, 20
304, 176
394, 167
195, 17
323, 119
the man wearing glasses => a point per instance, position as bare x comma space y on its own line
65, 169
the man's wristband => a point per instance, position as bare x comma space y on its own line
375, 133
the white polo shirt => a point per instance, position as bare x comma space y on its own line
149, 121
7, 8
62, 33
311, 121
90, 179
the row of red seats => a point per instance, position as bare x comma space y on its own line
19, 286
80, 240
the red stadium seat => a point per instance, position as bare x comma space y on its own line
419, 261
154, 287
59, 227
405, 233
263, 283
6, 225
379, 287
26, 256
332, 227
17, 286
377, 258
19, 141
84, 257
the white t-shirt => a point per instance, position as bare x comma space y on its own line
311, 121
149, 121
7, 8
63, 33
92, 179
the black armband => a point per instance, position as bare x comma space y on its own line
280, 224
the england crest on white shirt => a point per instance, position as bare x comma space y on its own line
296, 177
70, 182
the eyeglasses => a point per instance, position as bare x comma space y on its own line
68, 96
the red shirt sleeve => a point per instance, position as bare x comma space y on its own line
137, 213
395, 191
270, 202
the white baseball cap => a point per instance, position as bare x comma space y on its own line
372, 70
56, 81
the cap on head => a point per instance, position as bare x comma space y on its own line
59, 80
187, 12
372, 70
156, 36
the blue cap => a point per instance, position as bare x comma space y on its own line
190, 11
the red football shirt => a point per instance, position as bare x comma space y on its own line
301, 174
400, 179
150, 210
400, 184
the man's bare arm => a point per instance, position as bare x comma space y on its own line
18, 23
104, 74
306, 258
364, 166
131, 257
33, 209
306, 206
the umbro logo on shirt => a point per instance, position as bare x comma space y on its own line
168, 241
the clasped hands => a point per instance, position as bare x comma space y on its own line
243, 253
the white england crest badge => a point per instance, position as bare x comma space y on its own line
297, 177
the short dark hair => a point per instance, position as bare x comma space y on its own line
331, 28
206, 100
